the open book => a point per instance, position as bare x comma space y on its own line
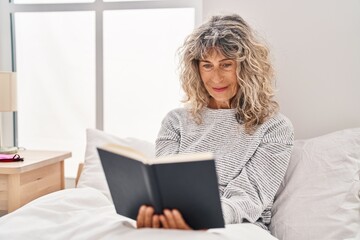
186, 182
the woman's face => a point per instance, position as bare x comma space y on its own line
219, 76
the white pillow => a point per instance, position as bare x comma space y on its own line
92, 174
320, 195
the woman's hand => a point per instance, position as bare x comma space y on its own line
171, 219
146, 218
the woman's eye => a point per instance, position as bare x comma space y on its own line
207, 66
226, 65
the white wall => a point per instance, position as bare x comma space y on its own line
315, 45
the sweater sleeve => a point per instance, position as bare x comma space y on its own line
168, 139
253, 190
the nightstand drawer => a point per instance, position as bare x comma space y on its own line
3, 193
39, 182
41, 172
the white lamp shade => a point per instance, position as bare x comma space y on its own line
8, 101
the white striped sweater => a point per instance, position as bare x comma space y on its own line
250, 168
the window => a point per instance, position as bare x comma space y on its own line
56, 80
140, 68
106, 65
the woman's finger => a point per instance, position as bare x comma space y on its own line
170, 219
164, 222
155, 221
179, 220
141, 217
149, 212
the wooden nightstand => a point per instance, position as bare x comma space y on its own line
40, 173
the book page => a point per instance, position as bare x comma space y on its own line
126, 151
184, 157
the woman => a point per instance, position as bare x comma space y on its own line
227, 77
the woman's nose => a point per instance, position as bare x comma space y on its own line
217, 76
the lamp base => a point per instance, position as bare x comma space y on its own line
8, 150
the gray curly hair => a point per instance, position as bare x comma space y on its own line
233, 37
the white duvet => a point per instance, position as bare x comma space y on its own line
85, 213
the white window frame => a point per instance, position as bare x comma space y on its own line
8, 48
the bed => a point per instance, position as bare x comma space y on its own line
318, 199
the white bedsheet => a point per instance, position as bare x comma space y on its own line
85, 213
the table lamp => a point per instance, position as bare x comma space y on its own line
8, 103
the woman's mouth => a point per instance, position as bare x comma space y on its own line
220, 89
